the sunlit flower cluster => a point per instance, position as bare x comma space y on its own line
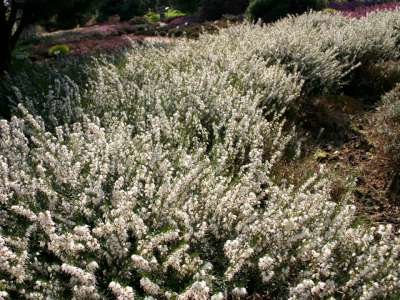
164, 188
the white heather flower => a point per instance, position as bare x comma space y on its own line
140, 263
121, 293
22, 211
218, 296
265, 263
3, 295
239, 292
199, 291
92, 266
150, 287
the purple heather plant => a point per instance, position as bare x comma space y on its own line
345, 6
359, 9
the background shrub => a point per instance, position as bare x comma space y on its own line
60, 14
235, 7
126, 9
271, 10
189, 6
214, 9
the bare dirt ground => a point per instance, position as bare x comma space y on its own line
348, 149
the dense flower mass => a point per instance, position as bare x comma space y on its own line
156, 179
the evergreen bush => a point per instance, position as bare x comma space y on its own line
271, 10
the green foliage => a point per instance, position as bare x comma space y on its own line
330, 11
173, 13
271, 10
58, 50
153, 17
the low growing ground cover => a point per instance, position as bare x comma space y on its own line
113, 37
161, 173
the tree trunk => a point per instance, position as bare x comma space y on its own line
8, 41
5, 56
5, 63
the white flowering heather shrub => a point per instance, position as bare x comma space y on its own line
374, 38
319, 50
164, 188
386, 124
91, 212
209, 93
59, 105
365, 40
323, 48
48, 91
313, 53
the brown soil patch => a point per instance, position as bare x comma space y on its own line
110, 43
346, 147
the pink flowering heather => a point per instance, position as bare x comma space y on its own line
365, 10
356, 9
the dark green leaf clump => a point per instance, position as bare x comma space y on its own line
271, 10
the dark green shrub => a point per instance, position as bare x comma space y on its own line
214, 9
21, 52
73, 14
235, 7
267, 10
138, 20
189, 6
272, 10
125, 9
55, 15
